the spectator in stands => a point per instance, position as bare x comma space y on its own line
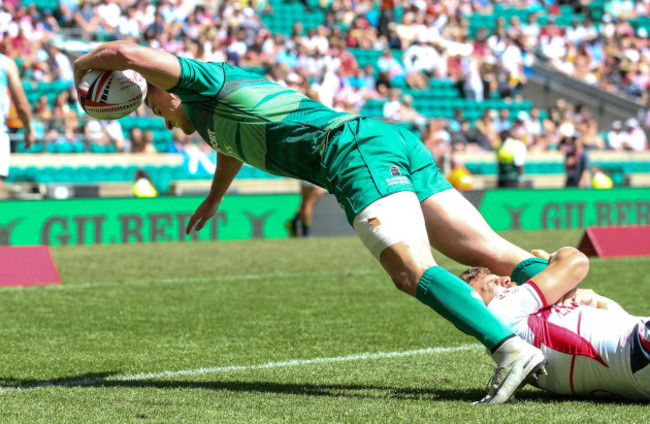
408, 113
576, 164
419, 60
143, 185
148, 139
393, 105
96, 134
361, 34
437, 139
461, 140
456, 119
471, 80
512, 62
591, 139
392, 40
390, 69
41, 109
386, 15
614, 136
511, 156
485, 131
633, 138
534, 126
59, 64
502, 122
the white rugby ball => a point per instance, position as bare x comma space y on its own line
110, 95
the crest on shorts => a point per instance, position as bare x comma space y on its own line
394, 171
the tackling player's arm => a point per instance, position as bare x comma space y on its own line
158, 67
20, 100
227, 169
566, 268
582, 296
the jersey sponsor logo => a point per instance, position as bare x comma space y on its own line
394, 171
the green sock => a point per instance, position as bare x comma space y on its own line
457, 302
527, 269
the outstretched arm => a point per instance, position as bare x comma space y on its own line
156, 66
227, 169
566, 268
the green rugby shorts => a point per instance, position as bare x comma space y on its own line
369, 159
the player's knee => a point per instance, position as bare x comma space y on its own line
407, 280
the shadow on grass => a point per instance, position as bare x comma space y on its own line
353, 391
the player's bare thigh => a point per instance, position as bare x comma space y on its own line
393, 230
459, 231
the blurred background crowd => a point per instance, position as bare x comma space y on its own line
413, 45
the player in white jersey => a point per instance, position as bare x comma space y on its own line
10, 80
593, 346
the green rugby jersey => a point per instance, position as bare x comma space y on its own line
264, 124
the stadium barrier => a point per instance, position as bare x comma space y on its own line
528, 209
242, 216
513, 209
141, 220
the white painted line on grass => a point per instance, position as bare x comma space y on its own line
233, 368
178, 280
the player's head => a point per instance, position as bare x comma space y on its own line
169, 107
487, 284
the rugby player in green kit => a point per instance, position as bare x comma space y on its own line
384, 177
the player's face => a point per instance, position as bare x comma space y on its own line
170, 108
490, 285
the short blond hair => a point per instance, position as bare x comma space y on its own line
473, 273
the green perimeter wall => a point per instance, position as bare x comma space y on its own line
512, 209
133, 220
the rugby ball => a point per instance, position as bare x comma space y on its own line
110, 95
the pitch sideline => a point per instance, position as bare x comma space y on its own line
231, 368
178, 280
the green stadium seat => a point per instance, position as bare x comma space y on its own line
47, 174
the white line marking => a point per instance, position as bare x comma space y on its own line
178, 280
231, 368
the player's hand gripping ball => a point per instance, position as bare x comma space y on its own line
110, 95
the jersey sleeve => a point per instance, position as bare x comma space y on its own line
519, 154
514, 305
199, 80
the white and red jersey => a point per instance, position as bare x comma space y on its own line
591, 352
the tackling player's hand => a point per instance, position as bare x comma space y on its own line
540, 253
586, 297
204, 212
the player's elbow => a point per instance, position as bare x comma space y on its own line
575, 260
581, 264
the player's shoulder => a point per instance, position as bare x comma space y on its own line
517, 302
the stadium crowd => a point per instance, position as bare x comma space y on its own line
428, 40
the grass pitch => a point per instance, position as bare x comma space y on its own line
297, 331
